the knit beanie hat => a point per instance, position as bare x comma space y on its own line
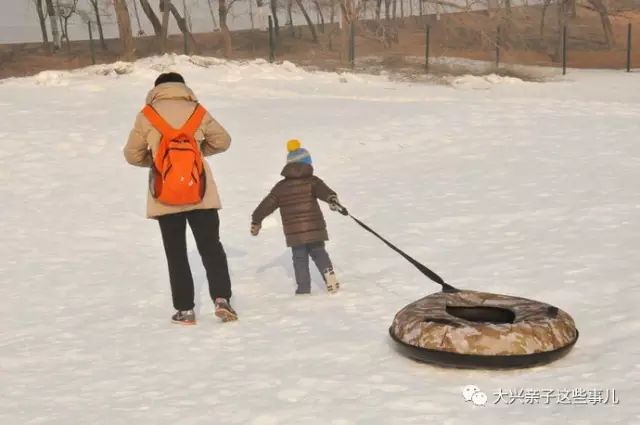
297, 153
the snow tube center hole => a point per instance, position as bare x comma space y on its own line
483, 314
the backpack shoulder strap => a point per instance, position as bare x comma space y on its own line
194, 121
157, 121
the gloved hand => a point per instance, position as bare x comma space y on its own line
334, 205
255, 228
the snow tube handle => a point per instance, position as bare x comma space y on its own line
423, 269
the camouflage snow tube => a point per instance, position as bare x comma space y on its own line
482, 330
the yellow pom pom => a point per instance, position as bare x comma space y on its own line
293, 145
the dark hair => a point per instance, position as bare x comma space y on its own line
169, 77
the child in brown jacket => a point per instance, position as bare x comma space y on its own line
304, 226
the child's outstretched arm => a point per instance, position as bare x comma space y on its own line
266, 207
323, 192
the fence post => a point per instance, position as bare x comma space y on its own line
426, 47
564, 49
271, 46
352, 45
498, 48
629, 48
91, 46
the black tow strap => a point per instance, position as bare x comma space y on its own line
424, 269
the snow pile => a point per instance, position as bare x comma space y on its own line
483, 82
51, 78
523, 189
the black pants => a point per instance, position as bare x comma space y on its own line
205, 225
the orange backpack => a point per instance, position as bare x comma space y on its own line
177, 176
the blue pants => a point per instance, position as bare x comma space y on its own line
301, 254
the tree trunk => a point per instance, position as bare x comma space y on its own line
599, 6
378, 9
184, 27
65, 32
60, 21
274, 14
253, 24
213, 15
42, 19
289, 22
55, 31
137, 15
153, 18
573, 8
226, 35
165, 9
96, 10
333, 12
312, 27
124, 28
545, 5
187, 16
344, 35
387, 11
395, 10
319, 9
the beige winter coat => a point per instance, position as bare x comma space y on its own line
175, 102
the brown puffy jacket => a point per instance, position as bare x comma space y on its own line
297, 197
175, 102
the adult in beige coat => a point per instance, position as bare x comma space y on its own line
175, 102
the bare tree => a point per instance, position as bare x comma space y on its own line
137, 15
253, 26
223, 12
124, 28
274, 14
55, 31
96, 9
66, 10
165, 9
42, 19
350, 12
312, 27
289, 22
153, 18
187, 16
183, 25
213, 15
320, 14
601, 8
332, 11
545, 5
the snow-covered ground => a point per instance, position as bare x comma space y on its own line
529, 189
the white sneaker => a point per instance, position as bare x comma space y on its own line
331, 281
